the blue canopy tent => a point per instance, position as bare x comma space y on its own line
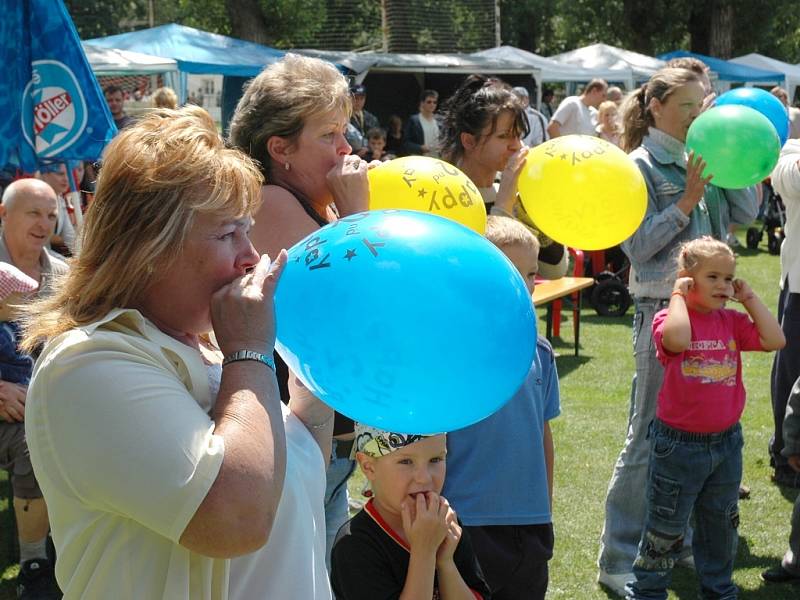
195, 51
728, 71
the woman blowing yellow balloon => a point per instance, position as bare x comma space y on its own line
483, 125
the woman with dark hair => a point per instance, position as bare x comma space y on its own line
484, 122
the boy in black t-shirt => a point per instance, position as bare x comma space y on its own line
407, 539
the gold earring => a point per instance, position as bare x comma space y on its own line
286, 166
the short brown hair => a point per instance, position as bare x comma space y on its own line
280, 100
595, 84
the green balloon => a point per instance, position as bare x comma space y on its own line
738, 143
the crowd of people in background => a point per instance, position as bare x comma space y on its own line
252, 487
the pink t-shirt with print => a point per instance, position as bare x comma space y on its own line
702, 390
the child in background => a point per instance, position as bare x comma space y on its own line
500, 470
376, 141
406, 542
696, 438
15, 367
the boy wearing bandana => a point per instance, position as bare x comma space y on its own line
406, 541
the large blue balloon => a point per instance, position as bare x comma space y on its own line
405, 321
764, 102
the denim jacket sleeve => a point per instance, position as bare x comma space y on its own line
742, 205
663, 221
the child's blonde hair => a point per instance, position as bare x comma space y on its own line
693, 253
505, 231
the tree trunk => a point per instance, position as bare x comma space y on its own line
247, 21
721, 42
699, 28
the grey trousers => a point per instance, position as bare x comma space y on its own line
626, 499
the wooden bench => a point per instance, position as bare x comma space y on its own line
547, 291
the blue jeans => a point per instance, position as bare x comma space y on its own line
337, 510
698, 472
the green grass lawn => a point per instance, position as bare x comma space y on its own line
589, 435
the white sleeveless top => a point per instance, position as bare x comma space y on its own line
292, 563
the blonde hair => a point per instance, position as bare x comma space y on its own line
165, 97
605, 107
156, 176
505, 231
636, 115
693, 253
280, 100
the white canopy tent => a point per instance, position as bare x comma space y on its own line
759, 61
550, 69
110, 61
602, 56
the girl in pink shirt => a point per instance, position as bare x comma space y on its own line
696, 439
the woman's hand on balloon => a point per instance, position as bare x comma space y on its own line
349, 186
507, 192
695, 183
243, 312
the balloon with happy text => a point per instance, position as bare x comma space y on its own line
583, 192
428, 185
762, 101
739, 145
405, 321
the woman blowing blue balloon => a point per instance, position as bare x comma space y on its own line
656, 119
292, 120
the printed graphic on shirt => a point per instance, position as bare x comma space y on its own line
699, 366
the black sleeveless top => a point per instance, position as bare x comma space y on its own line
341, 423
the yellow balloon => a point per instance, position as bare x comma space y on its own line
429, 185
583, 192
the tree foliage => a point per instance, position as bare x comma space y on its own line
716, 27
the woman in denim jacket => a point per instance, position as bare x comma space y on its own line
656, 119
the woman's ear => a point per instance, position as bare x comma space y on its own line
655, 107
279, 149
468, 141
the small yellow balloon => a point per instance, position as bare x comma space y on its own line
428, 185
583, 192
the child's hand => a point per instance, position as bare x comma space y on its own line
448, 547
683, 285
742, 291
427, 526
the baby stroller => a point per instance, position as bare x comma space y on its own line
609, 295
773, 219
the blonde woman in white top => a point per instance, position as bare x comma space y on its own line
162, 454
